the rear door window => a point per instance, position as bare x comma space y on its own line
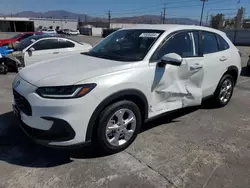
46, 44
209, 41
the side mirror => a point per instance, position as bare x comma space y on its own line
31, 49
171, 59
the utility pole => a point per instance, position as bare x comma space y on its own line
161, 18
203, 4
207, 18
164, 13
109, 17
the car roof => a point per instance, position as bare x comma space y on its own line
174, 27
45, 36
29, 33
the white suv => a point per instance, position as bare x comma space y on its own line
133, 75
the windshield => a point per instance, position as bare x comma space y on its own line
126, 45
16, 36
25, 43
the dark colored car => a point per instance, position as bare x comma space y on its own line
19, 37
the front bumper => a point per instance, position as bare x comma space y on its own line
55, 122
43, 137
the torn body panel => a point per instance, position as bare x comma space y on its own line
176, 87
17, 57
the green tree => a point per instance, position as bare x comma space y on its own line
217, 21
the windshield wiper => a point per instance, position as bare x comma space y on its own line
111, 56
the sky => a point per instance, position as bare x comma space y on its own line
99, 8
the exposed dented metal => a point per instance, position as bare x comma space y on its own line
17, 57
178, 86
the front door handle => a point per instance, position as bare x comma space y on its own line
223, 58
55, 52
196, 66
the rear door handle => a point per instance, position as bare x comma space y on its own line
223, 58
55, 52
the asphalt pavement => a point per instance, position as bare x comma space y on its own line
195, 147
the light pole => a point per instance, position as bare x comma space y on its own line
207, 18
203, 4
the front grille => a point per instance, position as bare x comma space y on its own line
22, 103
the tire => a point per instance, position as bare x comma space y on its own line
220, 90
248, 68
109, 114
3, 69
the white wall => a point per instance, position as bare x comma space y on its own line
126, 25
97, 32
13, 18
241, 36
63, 24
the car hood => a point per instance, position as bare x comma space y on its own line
69, 70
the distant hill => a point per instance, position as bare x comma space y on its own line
62, 14
59, 14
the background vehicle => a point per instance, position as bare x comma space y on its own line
43, 47
73, 32
49, 31
4, 50
17, 38
133, 75
65, 31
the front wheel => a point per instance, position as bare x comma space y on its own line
3, 69
224, 90
118, 126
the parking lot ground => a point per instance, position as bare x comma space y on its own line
194, 147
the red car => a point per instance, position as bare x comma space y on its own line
18, 37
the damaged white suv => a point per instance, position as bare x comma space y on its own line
105, 95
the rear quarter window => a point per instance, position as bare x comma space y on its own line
223, 45
65, 44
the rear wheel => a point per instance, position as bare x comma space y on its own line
224, 90
118, 126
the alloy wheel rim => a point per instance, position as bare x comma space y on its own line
120, 127
226, 91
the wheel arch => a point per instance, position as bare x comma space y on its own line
234, 72
133, 95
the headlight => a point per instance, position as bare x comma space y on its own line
65, 92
